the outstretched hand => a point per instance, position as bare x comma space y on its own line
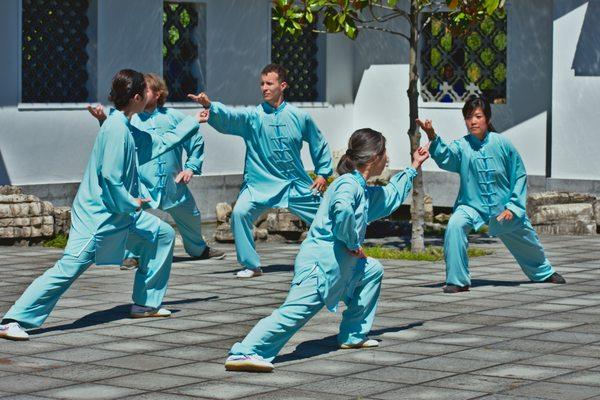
427, 126
97, 112
202, 116
201, 98
420, 155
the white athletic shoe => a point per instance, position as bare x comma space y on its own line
148, 312
253, 363
249, 273
361, 345
13, 331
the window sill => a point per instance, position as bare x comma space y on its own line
52, 106
433, 105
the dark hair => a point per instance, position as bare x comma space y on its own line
278, 69
362, 146
474, 103
125, 85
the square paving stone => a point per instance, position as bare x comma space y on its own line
23, 383
562, 361
142, 362
403, 375
81, 354
449, 364
589, 378
222, 390
555, 391
351, 386
328, 367
85, 372
428, 393
150, 381
488, 384
519, 371
89, 391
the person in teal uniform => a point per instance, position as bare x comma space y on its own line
274, 175
106, 216
331, 264
493, 191
164, 179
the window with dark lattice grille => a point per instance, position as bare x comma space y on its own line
180, 49
54, 55
456, 67
299, 57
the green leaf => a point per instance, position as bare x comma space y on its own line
309, 17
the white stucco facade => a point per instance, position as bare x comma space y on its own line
363, 84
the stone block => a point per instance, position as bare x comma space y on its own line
35, 208
261, 234
47, 230
428, 208
223, 233
567, 228
563, 213
223, 211
48, 208
544, 198
284, 221
9, 189
5, 222
36, 221
5, 211
442, 218
19, 209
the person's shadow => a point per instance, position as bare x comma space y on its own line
112, 314
265, 269
317, 347
484, 282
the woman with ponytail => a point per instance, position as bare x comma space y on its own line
331, 265
106, 216
493, 191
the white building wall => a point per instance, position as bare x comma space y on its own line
575, 99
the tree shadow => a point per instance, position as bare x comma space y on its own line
587, 54
113, 314
267, 269
317, 347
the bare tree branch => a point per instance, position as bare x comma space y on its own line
377, 28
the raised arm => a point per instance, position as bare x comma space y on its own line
194, 146
447, 157
225, 119
150, 145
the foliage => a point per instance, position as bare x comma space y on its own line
59, 241
431, 253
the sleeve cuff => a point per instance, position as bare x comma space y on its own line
411, 172
517, 211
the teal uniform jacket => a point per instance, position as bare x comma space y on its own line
492, 178
105, 207
158, 175
274, 171
340, 224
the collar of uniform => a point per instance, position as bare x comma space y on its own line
475, 140
147, 114
359, 178
269, 109
118, 114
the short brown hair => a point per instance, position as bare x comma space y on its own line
157, 84
278, 69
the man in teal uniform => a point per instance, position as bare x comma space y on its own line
164, 179
493, 191
274, 175
106, 216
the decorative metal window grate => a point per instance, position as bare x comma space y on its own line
453, 68
54, 53
299, 57
180, 49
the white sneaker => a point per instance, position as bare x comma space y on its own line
253, 363
13, 331
249, 273
148, 312
361, 345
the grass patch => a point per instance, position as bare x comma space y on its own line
59, 241
431, 253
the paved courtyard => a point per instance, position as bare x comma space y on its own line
506, 339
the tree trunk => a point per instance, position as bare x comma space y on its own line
417, 211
